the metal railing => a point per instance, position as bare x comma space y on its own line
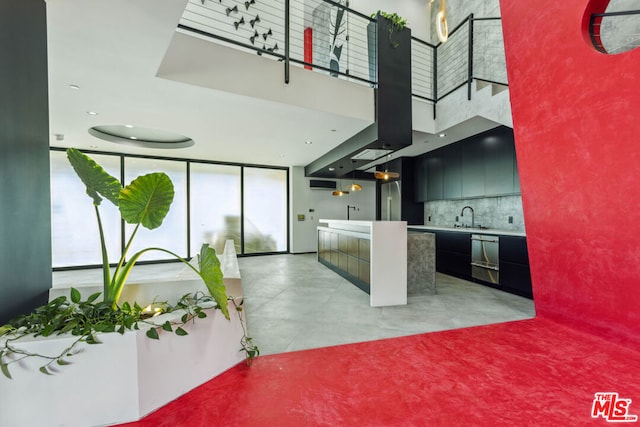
615, 32
279, 29
327, 36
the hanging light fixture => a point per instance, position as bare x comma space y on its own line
354, 186
340, 192
385, 175
441, 21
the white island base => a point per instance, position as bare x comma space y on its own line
370, 254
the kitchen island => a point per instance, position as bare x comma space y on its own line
370, 254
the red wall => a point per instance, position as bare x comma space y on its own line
576, 116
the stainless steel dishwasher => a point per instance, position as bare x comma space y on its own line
484, 258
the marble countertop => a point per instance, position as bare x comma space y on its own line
468, 230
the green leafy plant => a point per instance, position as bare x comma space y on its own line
85, 319
397, 24
144, 202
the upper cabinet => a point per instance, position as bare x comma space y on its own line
452, 174
435, 177
498, 166
481, 166
472, 169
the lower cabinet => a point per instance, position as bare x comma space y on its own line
453, 257
515, 275
453, 253
516, 278
347, 255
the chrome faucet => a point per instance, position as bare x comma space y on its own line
462, 214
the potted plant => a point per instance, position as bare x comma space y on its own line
144, 202
393, 23
397, 23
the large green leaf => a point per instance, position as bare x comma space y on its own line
147, 200
95, 178
212, 275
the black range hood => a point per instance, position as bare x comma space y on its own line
392, 129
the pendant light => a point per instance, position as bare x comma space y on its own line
339, 192
386, 175
354, 186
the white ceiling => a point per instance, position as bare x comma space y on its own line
112, 49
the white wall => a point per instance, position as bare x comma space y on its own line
303, 236
416, 12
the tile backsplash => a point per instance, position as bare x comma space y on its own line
491, 212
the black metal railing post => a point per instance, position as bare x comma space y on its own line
286, 41
470, 70
435, 80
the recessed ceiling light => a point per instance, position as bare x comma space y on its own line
92, 113
442, 135
129, 126
74, 87
331, 169
133, 137
308, 142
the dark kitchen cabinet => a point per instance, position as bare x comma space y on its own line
498, 166
473, 171
516, 279
515, 275
453, 253
422, 179
452, 173
481, 166
435, 178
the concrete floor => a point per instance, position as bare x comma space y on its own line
295, 303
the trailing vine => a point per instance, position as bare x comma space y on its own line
397, 24
86, 319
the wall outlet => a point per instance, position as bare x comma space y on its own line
456, 218
510, 219
429, 218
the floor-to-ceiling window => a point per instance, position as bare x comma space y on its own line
75, 239
213, 203
265, 210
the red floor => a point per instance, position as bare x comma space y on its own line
526, 373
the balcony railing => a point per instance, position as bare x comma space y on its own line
615, 32
328, 37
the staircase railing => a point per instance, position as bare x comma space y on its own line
328, 37
615, 32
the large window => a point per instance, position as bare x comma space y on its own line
265, 210
215, 206
213, 203
75, 236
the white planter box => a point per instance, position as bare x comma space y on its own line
127, 376
120, 380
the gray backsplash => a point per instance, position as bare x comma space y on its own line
491, 212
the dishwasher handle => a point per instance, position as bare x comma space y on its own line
490, 240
